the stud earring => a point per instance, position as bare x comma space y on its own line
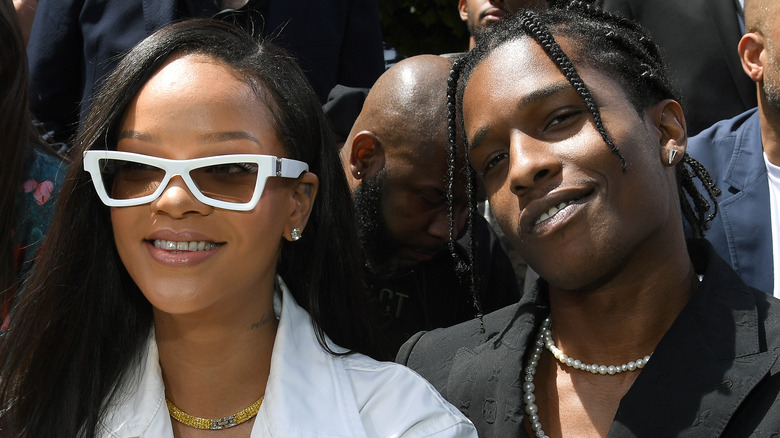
672, 155
359, 173
295, 234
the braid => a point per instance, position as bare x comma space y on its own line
471, 183
452, 141
696, 214
545, 39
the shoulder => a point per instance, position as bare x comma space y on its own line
432, 353
395, 401
724, 133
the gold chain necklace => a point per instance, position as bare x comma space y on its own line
215, 424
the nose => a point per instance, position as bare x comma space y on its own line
531, 162
177, 201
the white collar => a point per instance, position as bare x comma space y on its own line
308, 391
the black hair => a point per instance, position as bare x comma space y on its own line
18, 137
14, 146
617, 47
83, 322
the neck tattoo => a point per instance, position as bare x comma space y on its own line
543, 340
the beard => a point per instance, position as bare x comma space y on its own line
771, 81
378, 244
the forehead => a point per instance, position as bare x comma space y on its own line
520, 73
193, 97
425, 158
185, 75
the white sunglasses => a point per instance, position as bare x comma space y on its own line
232, 182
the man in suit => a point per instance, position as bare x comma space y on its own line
743, 155
75, 43
698, 39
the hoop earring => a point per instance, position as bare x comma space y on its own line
295, 234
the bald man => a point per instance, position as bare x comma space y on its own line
395, 158
743, 156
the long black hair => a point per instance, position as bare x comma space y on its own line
18, 137
83, 322
619, 48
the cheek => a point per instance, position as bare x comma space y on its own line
127, 237
504, 206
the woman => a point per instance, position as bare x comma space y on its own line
29, 165
570, 121
223, 280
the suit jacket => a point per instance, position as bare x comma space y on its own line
74, 44
698, 39
715, 373
732, 152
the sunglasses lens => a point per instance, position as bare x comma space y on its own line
128, 179
232, 182
229, 182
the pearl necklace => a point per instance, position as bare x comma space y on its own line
545, 340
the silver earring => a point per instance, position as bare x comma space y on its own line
295, 234
672, 154
359, 173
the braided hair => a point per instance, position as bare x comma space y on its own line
617, 47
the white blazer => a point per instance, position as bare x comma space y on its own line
310, 393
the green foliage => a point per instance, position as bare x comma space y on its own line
415, 27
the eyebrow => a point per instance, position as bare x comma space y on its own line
137, 135
219, 137
213, 137
529, 99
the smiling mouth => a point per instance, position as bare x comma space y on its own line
199, 245
553, 211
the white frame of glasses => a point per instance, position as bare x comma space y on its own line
267, 166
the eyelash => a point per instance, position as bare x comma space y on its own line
562, 117
493, 161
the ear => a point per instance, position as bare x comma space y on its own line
463, 10
668, 118
752, 54
302, 202
367, 156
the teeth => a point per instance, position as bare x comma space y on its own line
551, 212
170, 245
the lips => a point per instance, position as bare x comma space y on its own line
171, 245
493, 14
552, 211
181, 248
547, 213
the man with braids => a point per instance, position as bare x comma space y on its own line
743, 155
395, 158
570, 122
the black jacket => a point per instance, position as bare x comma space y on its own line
714, 373
698, 40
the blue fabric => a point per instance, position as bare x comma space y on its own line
741, 233
36, 201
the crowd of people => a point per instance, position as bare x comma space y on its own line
231, 219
